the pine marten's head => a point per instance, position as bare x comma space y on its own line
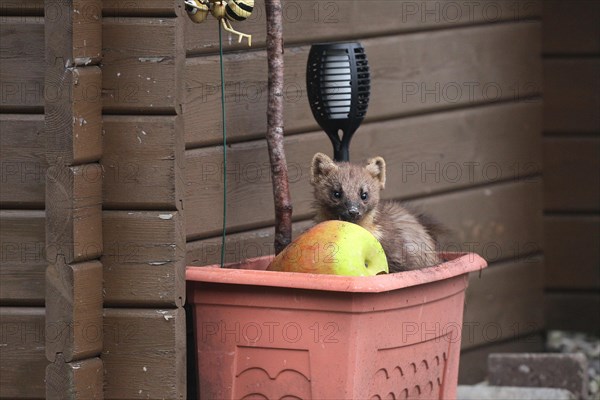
345, 191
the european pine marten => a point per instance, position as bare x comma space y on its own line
350, 192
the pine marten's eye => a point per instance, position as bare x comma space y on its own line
364, 195
337, 194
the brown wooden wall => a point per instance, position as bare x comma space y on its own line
571, 150
119, 195
22, 198
455, 110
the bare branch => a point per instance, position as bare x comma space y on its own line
279, 172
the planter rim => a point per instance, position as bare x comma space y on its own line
455, 264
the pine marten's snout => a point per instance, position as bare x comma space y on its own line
352, 213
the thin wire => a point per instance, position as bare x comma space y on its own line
224, 147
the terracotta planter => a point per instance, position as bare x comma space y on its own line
274, 335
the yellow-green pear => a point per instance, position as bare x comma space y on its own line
333, 247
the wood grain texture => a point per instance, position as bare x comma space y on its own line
73, 311
143, 162
571, 27
77, 380
132, 8
72, 93
23, 365
23, 258
143, 259
22, 8
22, 59
23, 166
143, 61
73, 119
73, 127
74, 213
500, 222
572, 251
572, 95
572, 173
142, 57
137, 8
473, 362
561, 309
73, 31
498, 142
322, 20
413, 73
500, 307
144, 353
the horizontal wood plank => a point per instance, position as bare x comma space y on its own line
143, 63
498, 142
23, 262
74, 212
571, 27
142, 162
147, 78
22, 8
137, 8
74, 32
322, 20
303, 18
73, 119
573, 311
499, 222
75, 380
74, 305
22, 342
22, 58
571, 174
143, 258
473, 362
572, 95
464, 67
110, 8
23, 165
144, 354
500, 307
572, 251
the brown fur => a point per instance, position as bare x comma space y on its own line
350, 192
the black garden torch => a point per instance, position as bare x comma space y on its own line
338, 85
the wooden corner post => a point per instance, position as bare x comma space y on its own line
73, 125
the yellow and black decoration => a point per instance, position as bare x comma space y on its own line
223, 10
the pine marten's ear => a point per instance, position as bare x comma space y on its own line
376, 167
321, 166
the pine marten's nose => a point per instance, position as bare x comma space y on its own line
353, 212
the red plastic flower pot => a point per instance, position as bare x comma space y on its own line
273, 335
